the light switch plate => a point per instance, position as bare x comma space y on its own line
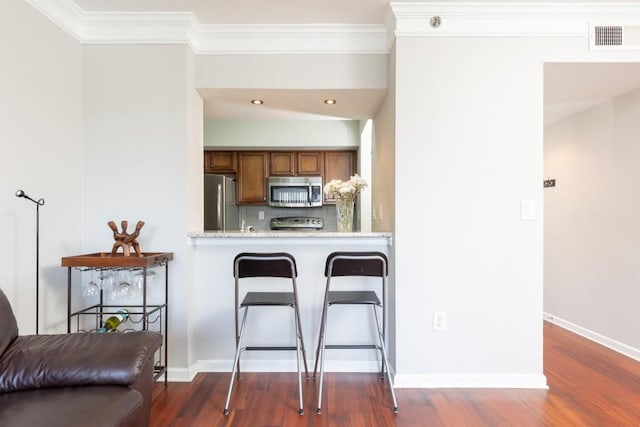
439, 321
527, 210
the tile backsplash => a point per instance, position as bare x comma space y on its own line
250, 215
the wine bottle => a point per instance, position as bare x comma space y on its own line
112, 322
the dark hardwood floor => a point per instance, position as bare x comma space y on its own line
589, 385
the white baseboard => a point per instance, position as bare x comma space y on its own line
271, 365
400, 381
179, 375
614, 345
266, 365
532, 381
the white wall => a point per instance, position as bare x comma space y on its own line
591, 222
292, 71
265, 134
468, 145
139, 144
40, 153
384, 158
383, 168
195, 187
365, 164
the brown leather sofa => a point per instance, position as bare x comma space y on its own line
88, 380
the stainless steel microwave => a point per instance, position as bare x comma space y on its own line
295, 191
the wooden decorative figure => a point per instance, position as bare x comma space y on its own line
125, 240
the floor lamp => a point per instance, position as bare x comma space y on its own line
39, 202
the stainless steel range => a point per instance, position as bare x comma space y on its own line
300, 223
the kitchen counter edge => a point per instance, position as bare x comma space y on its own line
281, 234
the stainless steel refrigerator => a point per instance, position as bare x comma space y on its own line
221, 213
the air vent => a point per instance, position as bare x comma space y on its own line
614, 37
608, 36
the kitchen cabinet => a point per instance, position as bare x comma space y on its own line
296, 163
282, 163
251, 181
220, 161
338, 165
309, 163
253, 167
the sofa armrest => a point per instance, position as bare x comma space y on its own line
40, 361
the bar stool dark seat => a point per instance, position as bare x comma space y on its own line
276, 265
366, 264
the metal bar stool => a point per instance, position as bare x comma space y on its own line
277, 265
367, 264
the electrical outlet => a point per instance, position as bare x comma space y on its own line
261, 215
439, 321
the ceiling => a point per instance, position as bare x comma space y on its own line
568, 87
278, 104
292, 104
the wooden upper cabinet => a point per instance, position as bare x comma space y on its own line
338, 165
309, 163
282, 163
253, 169
220, 161
292, 163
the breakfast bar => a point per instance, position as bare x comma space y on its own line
212, 300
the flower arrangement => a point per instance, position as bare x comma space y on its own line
345, 194
345, 190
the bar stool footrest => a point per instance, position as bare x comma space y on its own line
352, 347
268, 348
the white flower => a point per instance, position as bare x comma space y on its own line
345, 190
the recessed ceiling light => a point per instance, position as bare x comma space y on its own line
329, 101
257, 101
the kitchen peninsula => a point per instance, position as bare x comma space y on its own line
213, 300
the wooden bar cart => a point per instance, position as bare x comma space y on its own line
143, 316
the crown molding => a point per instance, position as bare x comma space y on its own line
145, 28
64, 13
404, 19
184, 28
505, 19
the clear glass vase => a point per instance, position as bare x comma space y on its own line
344, 213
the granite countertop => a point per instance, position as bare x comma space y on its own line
287, 234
